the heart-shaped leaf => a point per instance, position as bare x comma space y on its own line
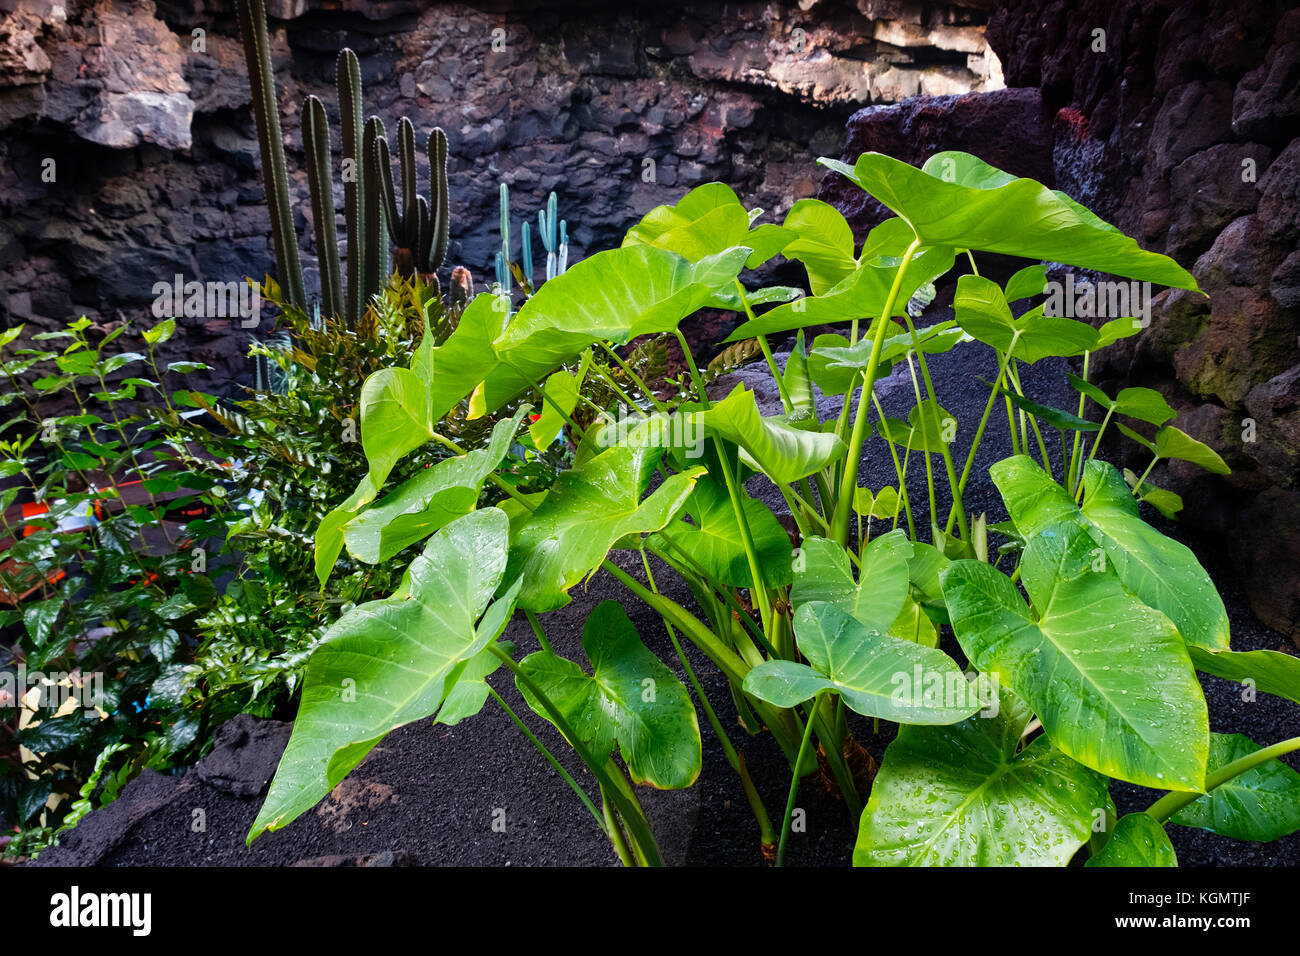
386, 663
876, 675
630, 699
1262, 804
967, 795
1109, 677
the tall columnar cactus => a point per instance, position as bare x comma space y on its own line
316, 147
419, 229
275, 175
503, 256
375, 256
354, 182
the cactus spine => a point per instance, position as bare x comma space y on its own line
275, 175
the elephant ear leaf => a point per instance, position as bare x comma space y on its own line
1261, 804
875, 675
961, 202
1162, 572
1144, 722
630, 699
1137, 840
387, 663
587, 510
968, 795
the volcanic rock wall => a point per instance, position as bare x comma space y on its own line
1179, 121
128, 154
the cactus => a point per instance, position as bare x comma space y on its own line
420, 228
316, 146
556, 257
275, 175
503, 257
354, 184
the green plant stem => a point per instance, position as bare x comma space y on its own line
638, 828
540, 634
901, 472
794, 783
1072, 470
550, 758
979, 431
734, 757
1143, 477
951, 472
1175, 800
615, 832
786, 403
849, 480
636, 379
929, 471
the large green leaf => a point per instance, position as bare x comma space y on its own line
779, 450
876, 675
629, 698
389, 662
968, 796
824, 243
861, 294
713, 539
1137, 840
706, 221
1162, 572
964, 203
587, 510
823, 574
1273, 672
1109, 677
421, 505
614, 295
1261, 804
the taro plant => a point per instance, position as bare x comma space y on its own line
1079, 628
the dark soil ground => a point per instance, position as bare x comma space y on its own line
428, 794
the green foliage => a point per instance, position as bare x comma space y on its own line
1092, 663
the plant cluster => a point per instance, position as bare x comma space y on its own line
1080, 627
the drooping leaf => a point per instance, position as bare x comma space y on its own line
1273, 672
967, 796
779, 450
630, 699
876, 675
1109, 677
1137, 840
1262, 804
587, 510
824, 243
1055, 417
389, 662
1173, 443
470, 692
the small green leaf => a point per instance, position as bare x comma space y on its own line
1262, 804
630, 699
1173, 443
1137, 840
